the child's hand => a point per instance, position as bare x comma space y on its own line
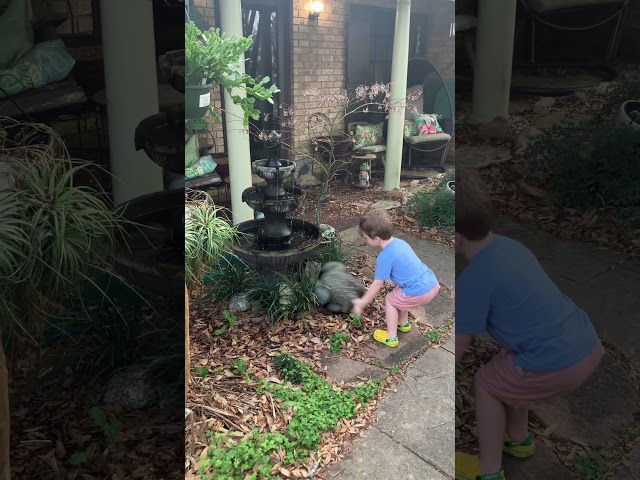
358, 306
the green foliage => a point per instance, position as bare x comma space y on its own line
201, 372
206, 237
230, 278
231, 318
437, 208
596, 465
592, 167
240, 366
355, 321
111, 429
336, 341
621, 92
334, 251
291, 295
318, 408
289, 368
82, 458
211, 57
52, 233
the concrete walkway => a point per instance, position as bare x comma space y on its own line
605, 284
413, 437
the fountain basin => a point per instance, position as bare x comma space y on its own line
270, 173
305, 240
257, 199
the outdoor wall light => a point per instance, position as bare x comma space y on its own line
315, 9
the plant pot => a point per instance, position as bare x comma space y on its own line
197, 99
625, 114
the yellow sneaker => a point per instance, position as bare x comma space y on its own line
524, 449
405, 328
381, 336
467, 469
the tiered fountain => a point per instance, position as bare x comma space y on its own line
274, 242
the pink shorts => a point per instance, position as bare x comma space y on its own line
404, 302
518, 387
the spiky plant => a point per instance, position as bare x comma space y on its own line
207, 235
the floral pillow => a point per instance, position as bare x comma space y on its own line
368, 135
410, 129
427, 124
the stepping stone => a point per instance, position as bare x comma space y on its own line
435, 313
561, 119
412, 344
597, 410
544, 464
343, 369
481, 156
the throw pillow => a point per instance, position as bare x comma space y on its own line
427, 124
410, 129
368, 135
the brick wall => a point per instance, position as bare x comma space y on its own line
319, 50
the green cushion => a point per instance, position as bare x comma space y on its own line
48, 62
368, 135
16, 34
410, 129
373, 149
191, 154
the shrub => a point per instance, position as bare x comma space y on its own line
437, 208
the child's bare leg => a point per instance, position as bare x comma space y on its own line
491, 420
391, 316
403, 317
517, 423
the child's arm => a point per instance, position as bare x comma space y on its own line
359, 304
462, 344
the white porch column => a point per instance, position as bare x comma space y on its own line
399, 65
493, 59
132, 93
237, 134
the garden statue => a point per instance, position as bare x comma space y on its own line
336, 288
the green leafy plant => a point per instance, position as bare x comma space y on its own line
435, 209
82, 458
289, 367
317, 407
210, 58
111, 429
337, 341
207, 235
355, 321
228, 277
231, 318
335, 251
201, 372
240, 366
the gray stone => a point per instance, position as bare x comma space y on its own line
604, 88
481, 156
240, 302
435, 313
579, 95
543, 105
379, 456
386, 204
411, 345
308, 181
395, 194
561, 119
130, 388
343, 369
527, 137
421, 414
595, 412
544, 465
336, 288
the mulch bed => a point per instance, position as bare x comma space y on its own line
225, 401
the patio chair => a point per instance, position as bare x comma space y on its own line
370, 153
434, 98
576, 31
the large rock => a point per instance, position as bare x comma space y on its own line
481, 156
130, 388
308, 181
240, 302
544, 105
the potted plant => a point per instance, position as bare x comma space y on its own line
209, 60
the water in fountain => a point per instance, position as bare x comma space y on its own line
275, 241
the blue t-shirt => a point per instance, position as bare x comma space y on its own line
505, 292
399, 263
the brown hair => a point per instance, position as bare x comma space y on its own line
376, 223
474, 210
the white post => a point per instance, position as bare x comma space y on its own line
493, 59
399, 65
132, 93
237, 134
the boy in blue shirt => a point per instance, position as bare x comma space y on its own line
416, 283
550, 346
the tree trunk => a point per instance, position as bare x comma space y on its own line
187, 350
4, 417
